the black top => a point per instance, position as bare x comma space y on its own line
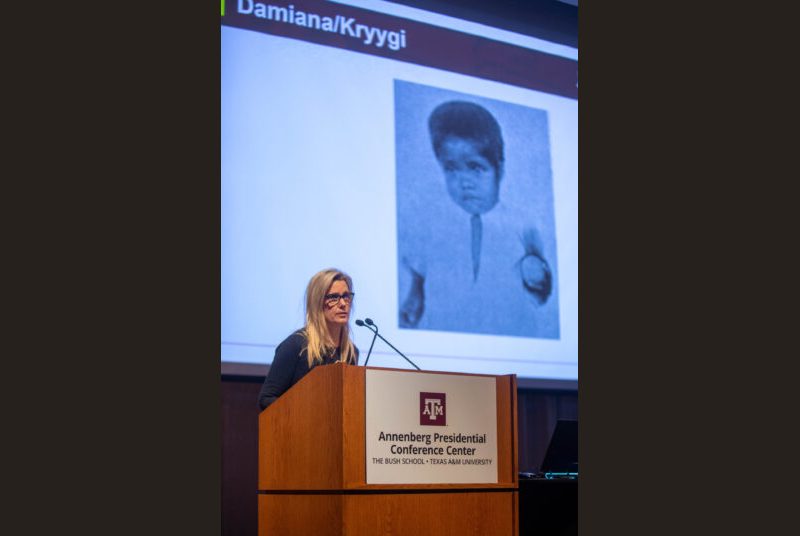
289, 366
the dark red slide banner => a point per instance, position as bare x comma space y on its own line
397, 38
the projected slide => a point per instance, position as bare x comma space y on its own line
433, 160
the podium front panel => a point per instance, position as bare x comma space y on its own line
430, 428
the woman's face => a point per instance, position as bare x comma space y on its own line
337, 314
472, 180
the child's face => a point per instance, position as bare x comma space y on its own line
472, 181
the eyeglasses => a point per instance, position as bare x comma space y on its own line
333, 299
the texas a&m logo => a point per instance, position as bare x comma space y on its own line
432, 409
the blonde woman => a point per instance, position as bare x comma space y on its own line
324, 339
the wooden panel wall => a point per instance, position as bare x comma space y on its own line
537, 413
240, 455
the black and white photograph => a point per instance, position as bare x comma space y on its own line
475, 221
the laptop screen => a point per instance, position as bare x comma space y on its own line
561, 457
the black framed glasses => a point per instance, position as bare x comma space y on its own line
333, 299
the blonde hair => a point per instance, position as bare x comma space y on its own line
316, 328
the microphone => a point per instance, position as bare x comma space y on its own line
369, 324
360, 322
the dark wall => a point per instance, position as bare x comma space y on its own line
239, 455
537, 413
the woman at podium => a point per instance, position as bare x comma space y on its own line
324, 339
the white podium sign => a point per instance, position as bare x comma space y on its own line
425, 428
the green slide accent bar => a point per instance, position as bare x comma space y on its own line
222, 7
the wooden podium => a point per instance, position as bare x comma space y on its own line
312, 469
